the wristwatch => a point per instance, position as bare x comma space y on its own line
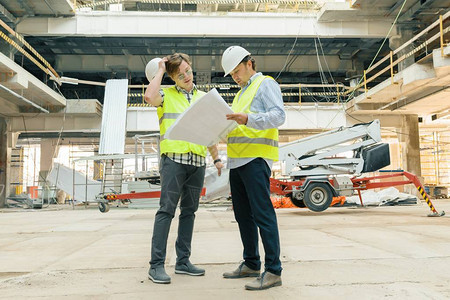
217, 160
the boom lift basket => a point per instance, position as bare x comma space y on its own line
375, 157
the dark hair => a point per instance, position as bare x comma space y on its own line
174, 61
249, 58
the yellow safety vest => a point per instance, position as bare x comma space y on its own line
244, 141
175, 103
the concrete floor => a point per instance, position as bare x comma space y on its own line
342, 253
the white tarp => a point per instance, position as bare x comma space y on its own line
114, 117
382, 197
63, 178
204, 122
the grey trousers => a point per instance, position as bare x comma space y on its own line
177, 181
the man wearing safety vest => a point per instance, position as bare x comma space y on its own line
252, 147
182, 167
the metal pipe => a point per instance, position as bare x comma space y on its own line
441, 31
392, 67
365, 83
23, 99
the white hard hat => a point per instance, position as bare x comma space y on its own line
152, 68
232, 57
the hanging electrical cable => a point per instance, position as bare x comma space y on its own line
381, 47
321, 73
351, 95
326, 63
289, 54
335, 96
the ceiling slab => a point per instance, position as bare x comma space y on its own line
22, 83
420, 89
428, 105
21, 8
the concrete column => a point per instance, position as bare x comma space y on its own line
97, 170
357, 70
5, 157
404, 35
408, 137
355, 74
46, 160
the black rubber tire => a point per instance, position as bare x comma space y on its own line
318, 196
103, 207
296, 202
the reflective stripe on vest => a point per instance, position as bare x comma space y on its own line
175, 103
244, 141
168, 116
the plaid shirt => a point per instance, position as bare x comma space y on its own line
185, 158
187, 95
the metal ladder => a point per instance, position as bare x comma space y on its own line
112, 176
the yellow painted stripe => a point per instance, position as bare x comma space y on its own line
427, 200
26, 54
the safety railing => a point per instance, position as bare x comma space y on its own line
336, 92
327, 92
37, 59
436, 41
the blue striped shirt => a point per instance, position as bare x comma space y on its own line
267, 111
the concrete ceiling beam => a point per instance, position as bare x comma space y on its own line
27, 8
14, 81
136, 63
8, 108
24, 5
51, 123
13, 95
386, 119
166, 24
6, 15
22, 82
310, 117
416, 8
421, 89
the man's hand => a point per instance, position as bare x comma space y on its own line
219, 165
162, 64
240, 118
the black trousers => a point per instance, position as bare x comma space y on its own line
177, 181
253, 210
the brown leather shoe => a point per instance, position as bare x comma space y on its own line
265, 281
241, 272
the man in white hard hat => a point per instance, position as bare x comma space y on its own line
252, 147
182, 167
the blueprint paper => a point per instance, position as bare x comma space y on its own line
204, 122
